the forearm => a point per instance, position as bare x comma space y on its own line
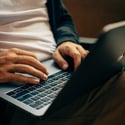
65, 30
61, 22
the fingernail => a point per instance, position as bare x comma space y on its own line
47, 72
87, 51
45, 77
36, 81
65, 66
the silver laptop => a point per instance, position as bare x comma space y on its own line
62, 87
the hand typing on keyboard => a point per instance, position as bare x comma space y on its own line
13, 62
74, 51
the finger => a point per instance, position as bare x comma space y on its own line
3, 50
76, 58
24, 60
31, 61
73, 53
82, 51
22, 52
3, 76
26, 69
22, 79
11, 77
60, 60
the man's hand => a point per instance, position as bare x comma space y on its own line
75, 51
14, 61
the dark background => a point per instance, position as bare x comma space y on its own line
91, 15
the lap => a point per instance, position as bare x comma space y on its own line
102, 106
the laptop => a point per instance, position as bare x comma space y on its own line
63, 87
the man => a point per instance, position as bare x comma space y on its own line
31, 31
101, 106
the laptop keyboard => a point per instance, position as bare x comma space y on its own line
42, 94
